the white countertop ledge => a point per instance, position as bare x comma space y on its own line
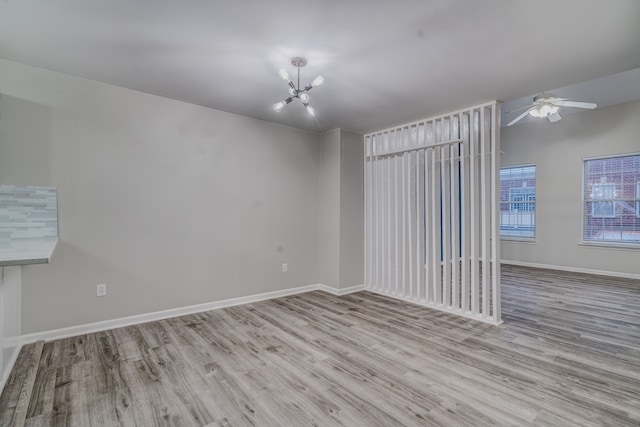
26, 251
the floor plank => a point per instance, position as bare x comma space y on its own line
568, 353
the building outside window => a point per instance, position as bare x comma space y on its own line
518, 202
611, 200
522, 199
605, 192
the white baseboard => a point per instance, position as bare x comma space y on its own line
87, 328
339, 292
572, 269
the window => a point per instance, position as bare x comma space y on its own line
518, 202
611, 199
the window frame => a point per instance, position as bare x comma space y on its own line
524, 239
612, 244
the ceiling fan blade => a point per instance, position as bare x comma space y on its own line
518, 109
555, 117
588, 105
520, 117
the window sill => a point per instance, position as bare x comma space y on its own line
610, 245
530, 240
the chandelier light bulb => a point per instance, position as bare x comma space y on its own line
292, 91
278, 106
317, 81
311, 111
283, 74
304, 97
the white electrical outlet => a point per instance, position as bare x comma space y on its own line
285, 268
101, 290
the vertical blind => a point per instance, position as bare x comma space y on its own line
432, 213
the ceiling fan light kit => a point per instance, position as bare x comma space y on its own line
547, 105
295, 91
543, 110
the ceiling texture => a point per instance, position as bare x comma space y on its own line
385, 62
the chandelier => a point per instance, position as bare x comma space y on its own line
295, 91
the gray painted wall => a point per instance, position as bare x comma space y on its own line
168, 203
351, 209
557, 150
329, 209
341, 231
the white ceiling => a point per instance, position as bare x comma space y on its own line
385, 62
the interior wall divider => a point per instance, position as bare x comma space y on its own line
432, 212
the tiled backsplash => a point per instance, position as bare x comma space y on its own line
28, 212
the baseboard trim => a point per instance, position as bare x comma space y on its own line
571, 269
87, 328
340, 292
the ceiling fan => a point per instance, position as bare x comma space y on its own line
547, 105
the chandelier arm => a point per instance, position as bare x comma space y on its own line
287, 101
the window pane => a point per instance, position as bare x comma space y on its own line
611, 199
518, 201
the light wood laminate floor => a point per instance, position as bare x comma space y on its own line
567, 354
